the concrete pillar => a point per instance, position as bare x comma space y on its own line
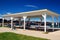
12, 23
2, 22
24, 17
44, 16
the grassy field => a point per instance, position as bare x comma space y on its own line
14, 36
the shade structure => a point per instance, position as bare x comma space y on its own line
36, 13
33, 13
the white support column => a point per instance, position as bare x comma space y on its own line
12, 23
24, 17
2, 22
44, 16
53, 22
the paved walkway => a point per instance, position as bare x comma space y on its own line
52, 35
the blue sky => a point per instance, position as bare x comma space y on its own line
14, 6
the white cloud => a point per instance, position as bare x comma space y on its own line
31, 6
8, 13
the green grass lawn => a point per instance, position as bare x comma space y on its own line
14, 36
